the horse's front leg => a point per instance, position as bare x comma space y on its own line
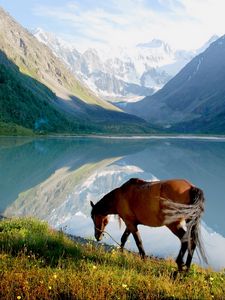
134, 230
139, 244
124, 238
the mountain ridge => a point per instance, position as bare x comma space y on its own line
43, 75
118, 74
25, 54
194, 100
122, 74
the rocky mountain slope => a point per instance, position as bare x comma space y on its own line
39, 72
194, 100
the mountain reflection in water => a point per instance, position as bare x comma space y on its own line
54, 179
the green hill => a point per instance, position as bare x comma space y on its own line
37, 262
27, 107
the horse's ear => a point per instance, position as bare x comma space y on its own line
92, 204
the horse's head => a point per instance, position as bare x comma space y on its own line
100, 222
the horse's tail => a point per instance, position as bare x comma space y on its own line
192, 213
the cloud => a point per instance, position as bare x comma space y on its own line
182, 23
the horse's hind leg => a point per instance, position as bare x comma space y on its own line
184, 248
124, 238
179, 259
190, 255
192, 249
180, 233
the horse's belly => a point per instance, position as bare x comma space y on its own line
152, 221
146, 206
150, 215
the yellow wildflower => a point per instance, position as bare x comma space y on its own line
18, 297
94, 267
125, 286
55, 276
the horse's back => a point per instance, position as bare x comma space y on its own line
170, 189
134, 181
138, 200
177, 190
142, 200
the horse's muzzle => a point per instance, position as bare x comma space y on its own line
98, 234
98, 238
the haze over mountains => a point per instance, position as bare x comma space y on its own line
39, 91
122, 74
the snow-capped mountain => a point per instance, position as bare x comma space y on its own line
193, 101
207, 44
124, 73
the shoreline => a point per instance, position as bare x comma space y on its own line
121, 137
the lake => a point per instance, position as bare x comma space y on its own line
54, 179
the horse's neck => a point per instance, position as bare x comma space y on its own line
107, 205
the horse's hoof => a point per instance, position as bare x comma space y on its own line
181, 267
174, 274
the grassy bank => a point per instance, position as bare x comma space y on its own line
37, 262
11, 129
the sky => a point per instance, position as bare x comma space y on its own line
184, 24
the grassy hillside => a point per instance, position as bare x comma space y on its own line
27, 106
11, 129
40, 263
39, 92
38, 61
29, 109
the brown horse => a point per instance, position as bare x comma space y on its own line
175, 203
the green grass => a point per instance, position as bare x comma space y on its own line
12, 129
37, 262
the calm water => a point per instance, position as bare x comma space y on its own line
55, 179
